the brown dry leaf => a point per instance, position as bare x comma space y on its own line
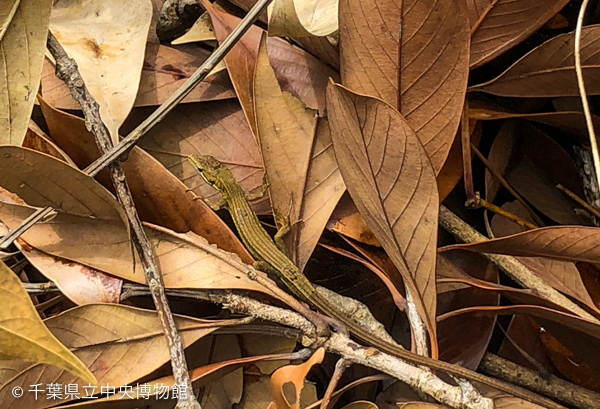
286, 130
562, 275
434, 63
90, 218
225, 392
506, 23
572, 243
24, 336
346, 220
390, 178
218, 129
37, 140
21, 59
107, 39
8, 10
549, 70
165, 70
303, 18
295, 374
297, 71
452, 171
120, 344
159, 197
259, 344
323, 189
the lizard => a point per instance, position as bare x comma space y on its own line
263, 249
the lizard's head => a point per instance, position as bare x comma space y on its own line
208, 167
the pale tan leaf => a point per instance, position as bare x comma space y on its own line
392, 182
8, 8
21, 59
427, 81
323, 189
107, 39
24, 336
303, 18
549, 70
259, 344
506, 23
225, 392
120, 344
286, 130
37, 140
202, 30
361, 404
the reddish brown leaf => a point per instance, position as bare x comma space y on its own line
574, 243
549, 70
390, 178
505, 23
429, 83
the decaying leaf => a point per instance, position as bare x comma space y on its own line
107, 40
22, 48
392, 182
24, 336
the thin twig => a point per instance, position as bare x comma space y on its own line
507, 186
465, 136
340, 367
480, 203
66, 70
582, 92
129, 142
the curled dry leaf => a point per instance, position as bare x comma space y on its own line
90, 218
98, 333
505, 23
23, 44
549, 70
107, 40
295, 374
392, 182
429, 84
24, 336
303, 18
37, 140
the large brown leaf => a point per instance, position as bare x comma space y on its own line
573, 243
392, 182
549, 70
506, 23
427, 79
